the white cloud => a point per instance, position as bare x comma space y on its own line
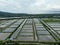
29, 6
44, 5
53, 6
9, 5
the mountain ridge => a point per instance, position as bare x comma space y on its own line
7, 14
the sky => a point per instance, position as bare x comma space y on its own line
30, 6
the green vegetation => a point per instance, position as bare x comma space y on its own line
1, 21
7, 14
52, 20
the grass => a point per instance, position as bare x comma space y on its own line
52, 20
1, 21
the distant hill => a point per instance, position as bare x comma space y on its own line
7, 14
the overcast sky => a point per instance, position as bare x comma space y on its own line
29, 6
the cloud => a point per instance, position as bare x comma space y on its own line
41, 6
29, 6
9, 5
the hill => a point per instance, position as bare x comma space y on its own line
7, 14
